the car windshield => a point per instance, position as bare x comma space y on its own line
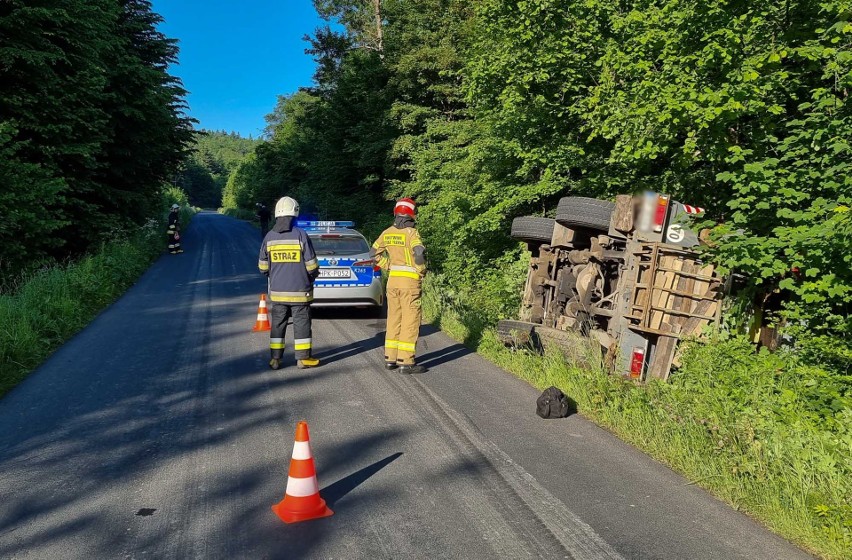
339, 245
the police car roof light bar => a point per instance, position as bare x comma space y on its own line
324, 224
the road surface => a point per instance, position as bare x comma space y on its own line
159, 432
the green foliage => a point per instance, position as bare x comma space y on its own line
696, 98
173, 195
238, 213
216, 155
51, 304
91, 124
485, 110
327, 147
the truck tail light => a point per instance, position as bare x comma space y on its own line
637, 362
660, 215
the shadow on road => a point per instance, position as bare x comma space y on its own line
352, 349
444, 355
333, 493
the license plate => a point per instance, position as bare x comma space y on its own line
335, 273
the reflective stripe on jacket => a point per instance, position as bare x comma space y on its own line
174, 222
394, 250
289, 259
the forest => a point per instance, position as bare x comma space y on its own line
92, 125
484, 110
216, 154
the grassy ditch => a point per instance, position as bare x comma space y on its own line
51, 305
239, 213
768, 434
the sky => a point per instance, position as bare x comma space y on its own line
238, 56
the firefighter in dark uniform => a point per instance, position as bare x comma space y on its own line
174, 230
287, 257
263, 214
400, 250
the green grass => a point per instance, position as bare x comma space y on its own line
52, 304
239, 214
766, 433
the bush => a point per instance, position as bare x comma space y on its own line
238, 213
55, 302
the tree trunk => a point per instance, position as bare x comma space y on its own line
377, 8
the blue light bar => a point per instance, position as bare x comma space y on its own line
322, 224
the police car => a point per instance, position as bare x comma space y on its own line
347, 275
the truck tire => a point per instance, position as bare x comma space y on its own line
533, 230
582, 212
515, 333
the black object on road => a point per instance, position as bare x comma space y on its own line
553, 404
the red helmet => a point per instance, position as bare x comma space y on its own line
404, 207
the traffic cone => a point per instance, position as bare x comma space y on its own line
262, 323
301, 501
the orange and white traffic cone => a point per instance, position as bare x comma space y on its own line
301, 501
262, 323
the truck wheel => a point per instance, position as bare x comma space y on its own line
578, 350
582, 212
515, 333
533, 230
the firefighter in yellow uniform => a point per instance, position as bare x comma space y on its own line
400, 251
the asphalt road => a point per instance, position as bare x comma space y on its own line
159, 432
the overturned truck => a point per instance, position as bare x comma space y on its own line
625, 274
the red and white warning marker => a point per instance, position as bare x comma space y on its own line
302, 500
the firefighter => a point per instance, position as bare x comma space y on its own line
174, 230
400, 250
263, 214
287, 257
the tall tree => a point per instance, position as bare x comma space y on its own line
91, 122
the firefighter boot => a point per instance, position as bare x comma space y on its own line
308, 363
390, 365
412, 368
275, 363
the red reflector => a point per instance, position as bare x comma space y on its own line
637, 363
660, 216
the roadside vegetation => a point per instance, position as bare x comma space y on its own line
45, 307
92, 126
770, 434
486, 110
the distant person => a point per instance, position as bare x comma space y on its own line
400, 249
287, 257
263, 214
174, 230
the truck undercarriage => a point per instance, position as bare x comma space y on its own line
623, 274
